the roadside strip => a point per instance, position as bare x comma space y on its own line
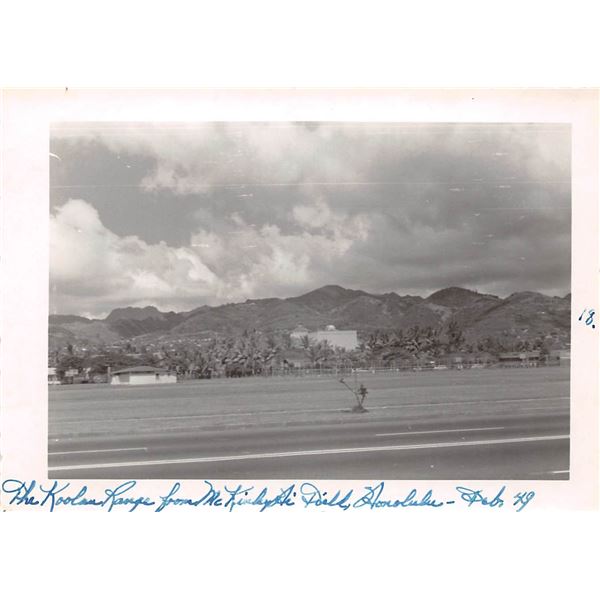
212, 459
95, 451
438, 431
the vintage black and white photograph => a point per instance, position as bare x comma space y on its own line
327, 300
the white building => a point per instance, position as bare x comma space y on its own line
338, 338
142, 376
53, 378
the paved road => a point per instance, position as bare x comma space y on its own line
476, 437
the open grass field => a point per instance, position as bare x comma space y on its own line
89, 410
485, 424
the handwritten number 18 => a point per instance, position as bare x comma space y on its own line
590, 317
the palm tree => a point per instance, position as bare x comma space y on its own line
341, 357
326, 351
435, 346
456, 336
313, 353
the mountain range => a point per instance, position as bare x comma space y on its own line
528, 314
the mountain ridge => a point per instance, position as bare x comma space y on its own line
479, 314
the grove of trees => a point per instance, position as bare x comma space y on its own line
255, 353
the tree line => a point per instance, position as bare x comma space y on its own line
255, 353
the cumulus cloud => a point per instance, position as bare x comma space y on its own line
91, 266
184, 214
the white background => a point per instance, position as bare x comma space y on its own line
257, 44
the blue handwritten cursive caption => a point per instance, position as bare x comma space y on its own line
52, 496
229, 498
307, 495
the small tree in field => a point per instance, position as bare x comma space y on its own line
360, 393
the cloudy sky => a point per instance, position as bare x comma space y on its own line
180, 215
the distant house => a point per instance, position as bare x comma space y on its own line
142, 376
53, 378
483, 358
521, 358
562, 357
456, 361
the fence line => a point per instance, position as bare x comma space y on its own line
346, 370
340, 371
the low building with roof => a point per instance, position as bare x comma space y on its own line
142, 375
560, 356
53, 378
521, 358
